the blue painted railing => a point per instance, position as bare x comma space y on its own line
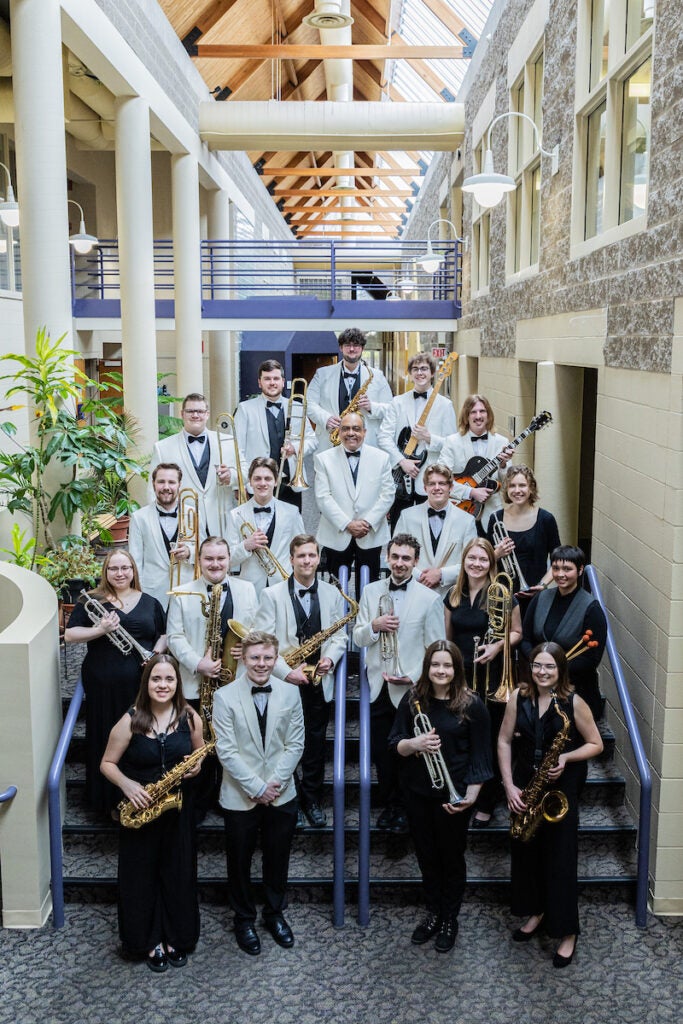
644, 818
338, 780
8, 794
364, 765
54, 808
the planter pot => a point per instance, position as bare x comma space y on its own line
119, 530
70, 590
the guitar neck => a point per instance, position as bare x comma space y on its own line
492, 464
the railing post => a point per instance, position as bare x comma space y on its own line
338, 782
333, 276
54, 807
364, 779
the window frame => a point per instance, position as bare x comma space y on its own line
523, 234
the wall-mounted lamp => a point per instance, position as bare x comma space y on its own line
82, 242
9, 207
430, 261
488, 188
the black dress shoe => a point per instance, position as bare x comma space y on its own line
280, 930
564, 961
247, 938
386, 818
445, 940
158, 962
316, 815
176, 957
399, 825
519, 936
480, 823
426, 930
301, 819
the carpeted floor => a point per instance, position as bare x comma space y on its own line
620, 975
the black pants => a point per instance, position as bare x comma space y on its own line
440, 840
312, 764
355, 557
386, 761
158, 883
492, 792
400, 504
275, 826
543, 871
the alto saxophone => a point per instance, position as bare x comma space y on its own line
296, 655
166, 793
543, 803
335, 436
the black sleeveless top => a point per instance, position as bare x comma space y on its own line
149, 757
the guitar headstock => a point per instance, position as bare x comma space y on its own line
447, 365
542, 419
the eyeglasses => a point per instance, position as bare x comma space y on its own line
547, 669
195, 412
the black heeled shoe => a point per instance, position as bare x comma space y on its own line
519, 936
564, 961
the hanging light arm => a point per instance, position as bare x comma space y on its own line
9, 207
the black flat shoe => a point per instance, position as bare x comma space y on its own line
280, 930
176, 957
480, 823
519, 936
247, 939
386, 818
426, 930
316, 816
448, 931
158, 961
564, 961
399, 825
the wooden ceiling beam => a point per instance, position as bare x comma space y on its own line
371, 15
306, 211
447, 16
213, 13
303, 192
270, 170
299, 51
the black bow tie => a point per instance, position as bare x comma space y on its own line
481, 437
200, 440
353, 375
223, 586
273, 405
261, 689
262, 508
399, 586
419, 394
440, 512
168, 515
311, 590
352, 455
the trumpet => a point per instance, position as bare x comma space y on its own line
388, 642
120, 637
225, 422
265, 556
509, 562
188, 533
298, 481
499, 603
434, 759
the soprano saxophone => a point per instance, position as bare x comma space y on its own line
541, 802
166, 794
335, 436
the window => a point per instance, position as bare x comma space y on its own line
524, 204
614, 77
481, 228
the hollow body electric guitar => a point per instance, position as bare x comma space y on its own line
407, 442
477, 472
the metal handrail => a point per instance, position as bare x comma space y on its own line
8, 795
644, 818
54, 806
364, 780
338, 787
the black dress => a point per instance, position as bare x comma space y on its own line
532, 547
111, 680
439, 837
158, 862
544, 870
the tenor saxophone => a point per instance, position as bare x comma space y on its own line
543, 803
335, 436
220, 648
166, 794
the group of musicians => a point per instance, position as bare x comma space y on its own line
222, 546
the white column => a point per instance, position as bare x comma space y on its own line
41, 167
136, 269
223, 354
187, 274
557, 450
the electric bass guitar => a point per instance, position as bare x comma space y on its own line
407, 442
477, 471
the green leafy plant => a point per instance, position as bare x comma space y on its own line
76, 561
22, 552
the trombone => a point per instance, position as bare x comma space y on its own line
298, 481
226, 423
499, 604
188, 533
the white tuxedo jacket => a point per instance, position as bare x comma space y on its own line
457, 451
288, 523
215, 500
276, 615
251, 426
186, 625
146, 545
248, 763
401, 413
458, 529
421, 622
323, 401
340, 500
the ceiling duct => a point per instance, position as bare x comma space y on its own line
328, 15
